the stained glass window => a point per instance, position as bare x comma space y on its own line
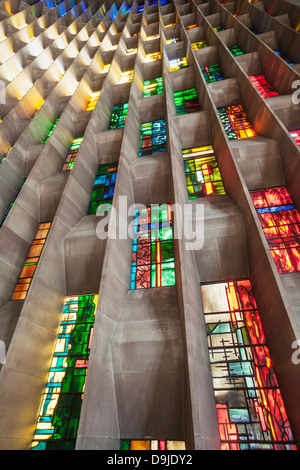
219, 28
173, 40
186, 101
51, 130
235, 122
284, 57
263, 86
153, 56
153, 137
153, 255
104, 187
143, 444
126, 77
250, 409
202, 173
235, 50
59, 413
296, 135
199, 45
118, 116
72, 154
93, 100
31, 262
280, 222
153, 87
212, 73
12, 202
176, 64
191, 26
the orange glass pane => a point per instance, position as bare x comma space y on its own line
28, 271
140, 445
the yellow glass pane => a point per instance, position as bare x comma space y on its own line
175, 445
140, 445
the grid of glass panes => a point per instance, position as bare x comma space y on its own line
51, 130
31, 262
59, 414
153, 137
152, 252
295, 133
145, 444
153, 87
118, 116
93, 100
235, 122
202, 174
263, 86
176, 64
212, 73
280, 222
186, 101
72, 154
12, 202
235, 50
104, 187
199, 45
250, 409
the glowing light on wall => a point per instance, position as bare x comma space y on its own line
93, 100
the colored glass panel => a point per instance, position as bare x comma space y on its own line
235, 122
93, 100
280, 222
284, 57
31, 262
118, 116
263, 86
186, 101
219, 28
51, 130
12, 203
296, 135
235, 50
153, 87
212, 73
199, 45
153, 56
152, 254
143, 444
250, 409
72, 154
176, 64
104, 187
173, 40
202, 174
153, 137
126, 77
60, 409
